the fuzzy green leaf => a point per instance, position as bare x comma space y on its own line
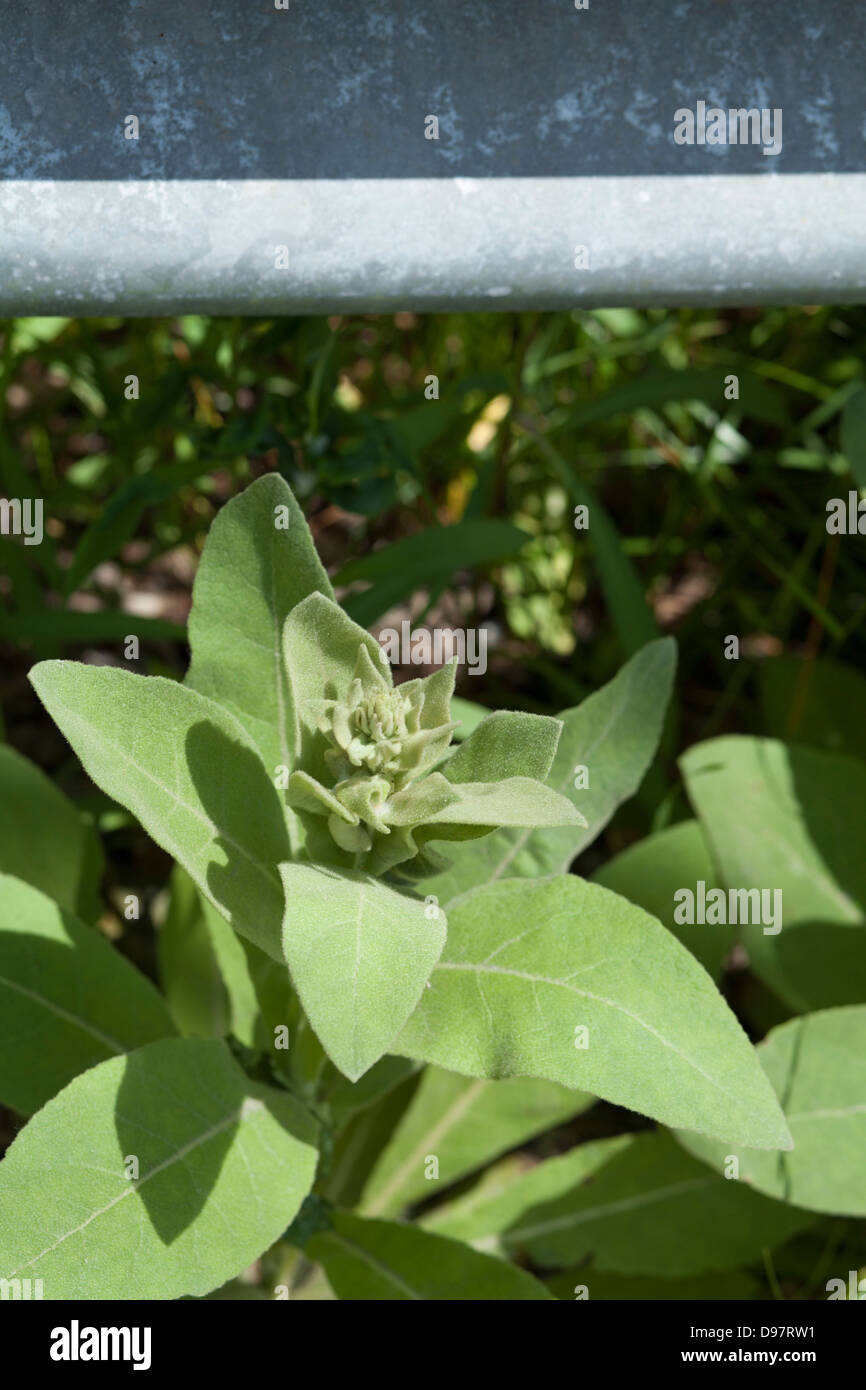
360, 954
251, 576
44, 840
462, 1123
506, 744
528, 963
786, 820
636, 1204
385, 1261
786, 817
223, 1167
321, 646
513, 801
67, 998
817, 1066
614, 733
650, 873
184, 766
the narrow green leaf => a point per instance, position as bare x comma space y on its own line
359, 1143
635, 1204
67, 998
114, 526
223, 1165
759, 398
854, 434
189, 973
461, 1123
44, 840
347, 1098
360, 954
432, 557
528, 966
385, 1261
613, 734
632, 617
817, 1066
186, 769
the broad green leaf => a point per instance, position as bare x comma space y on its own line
786, 821
650, 873
854, 434
784, 817
595, 1285
251, 575
67, 998
432, 557
636, 1205
184, 766
44, 840
613, 734
817, 1066
189, 972
383, 1260
528, 966
223, 1167
506, 744
360, 954
811, 966
820, 703
461, 1123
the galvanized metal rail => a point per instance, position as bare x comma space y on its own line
288, 160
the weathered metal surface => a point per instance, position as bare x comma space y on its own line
304, 129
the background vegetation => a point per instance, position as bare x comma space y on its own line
707, 518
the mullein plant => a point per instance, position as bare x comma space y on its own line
404, 898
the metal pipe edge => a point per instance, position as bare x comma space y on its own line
310, 246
